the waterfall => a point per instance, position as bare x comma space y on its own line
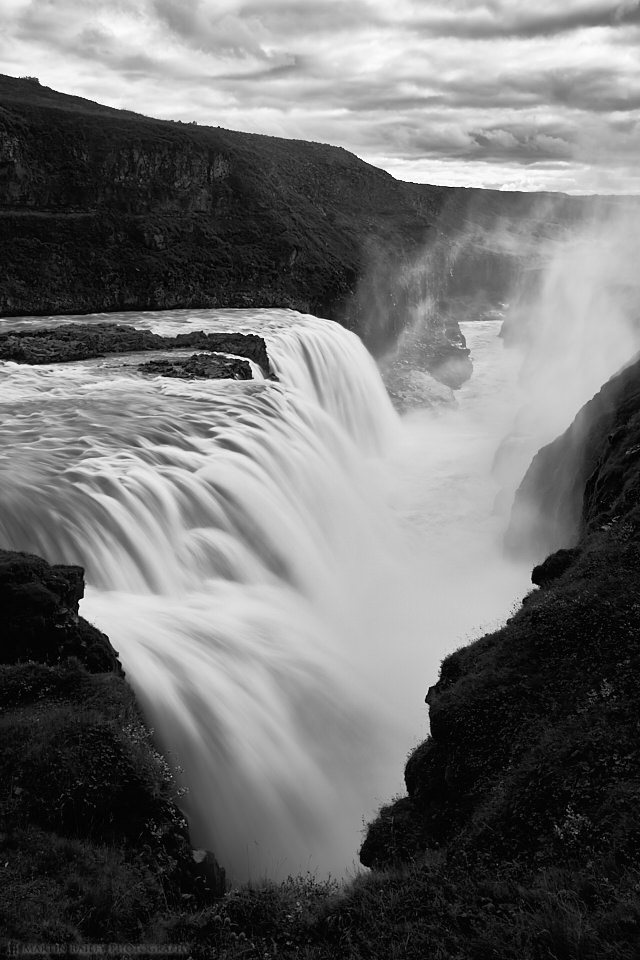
279, 599
229, 533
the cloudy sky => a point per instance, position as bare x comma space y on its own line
520, 94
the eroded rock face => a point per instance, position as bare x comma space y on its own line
585, 478
532, 728
105, 210
39, 604
533, 752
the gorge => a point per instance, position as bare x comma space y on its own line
282, 562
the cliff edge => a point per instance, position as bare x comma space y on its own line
529, 782
105, 210
93, 846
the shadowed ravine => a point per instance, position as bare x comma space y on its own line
280, 565
283, 565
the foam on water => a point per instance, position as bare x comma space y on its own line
280, 565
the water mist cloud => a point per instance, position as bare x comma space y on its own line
577, 320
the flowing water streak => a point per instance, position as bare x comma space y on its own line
281, 597
236, 544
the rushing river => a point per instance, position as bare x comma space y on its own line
281, 566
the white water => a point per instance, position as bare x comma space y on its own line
281, 566
580, 325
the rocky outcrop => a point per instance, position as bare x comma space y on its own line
445, 357
533, 756
82, 341
39, 604
199, 366
92, 844
586, 478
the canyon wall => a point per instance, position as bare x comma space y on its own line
104, 210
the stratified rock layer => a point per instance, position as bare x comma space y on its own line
105, 210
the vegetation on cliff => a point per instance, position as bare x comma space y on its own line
92, 845
104, 210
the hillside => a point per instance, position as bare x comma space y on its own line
126, 211
103, 209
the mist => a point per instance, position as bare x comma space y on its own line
282, 567
574, 321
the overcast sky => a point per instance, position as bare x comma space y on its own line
521, 94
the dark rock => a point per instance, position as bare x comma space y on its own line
586, 478
554, 566
199, 367
105, 210
88, 803
533, 752
248, 345
396, 836
429, 349
209, 876
39, 604
83, 341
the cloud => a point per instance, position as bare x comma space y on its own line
499, 88
493, 20
211, 28
328, 17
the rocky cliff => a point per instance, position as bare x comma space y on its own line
92, 844
112, 210
587, 477
104, 210
531, 768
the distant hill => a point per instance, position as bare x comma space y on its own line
104, 209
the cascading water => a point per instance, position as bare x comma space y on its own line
280, 565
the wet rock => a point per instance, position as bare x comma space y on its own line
200, 366
84, 341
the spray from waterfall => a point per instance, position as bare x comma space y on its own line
574, 323
281, 566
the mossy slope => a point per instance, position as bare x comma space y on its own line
93, 847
